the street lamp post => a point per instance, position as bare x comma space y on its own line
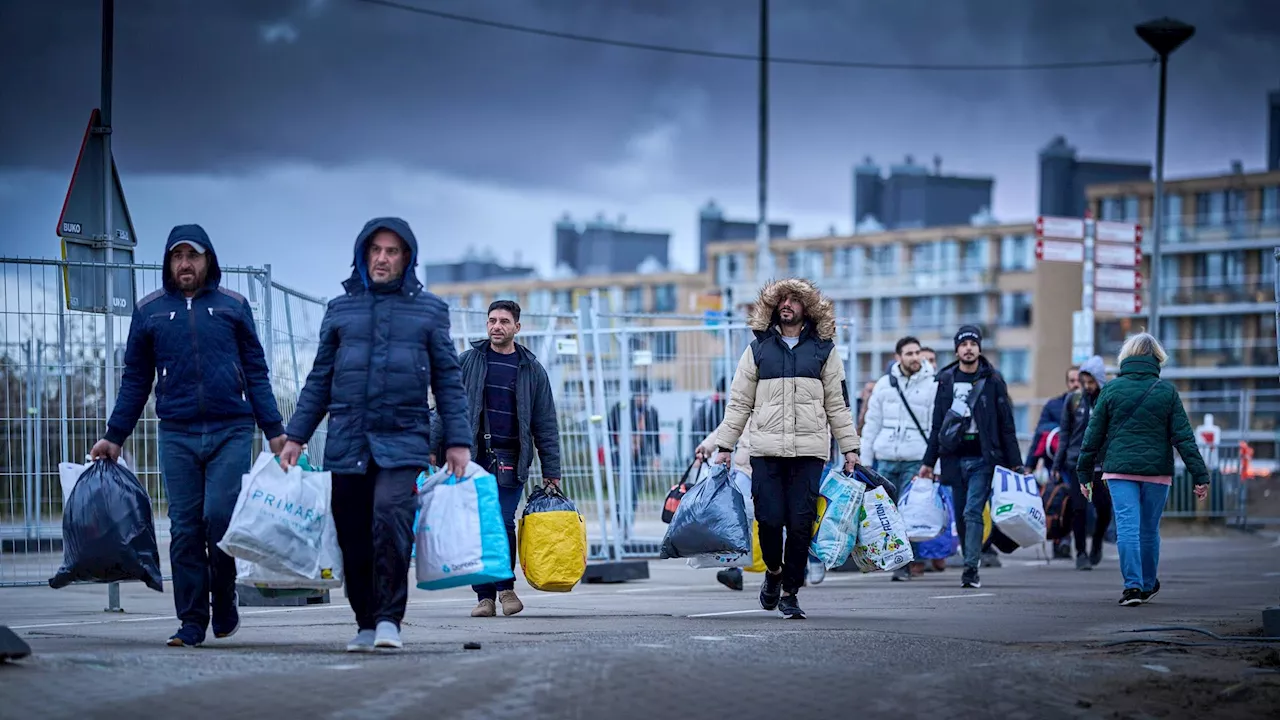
1164, 36
764, 256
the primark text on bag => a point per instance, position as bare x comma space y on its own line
281, 519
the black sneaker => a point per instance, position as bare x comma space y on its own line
902, 574
970, 579
770, 590
1132, 597
789, 608
226, 619
187, 636
730, 578
1082, 562
1146, 596
1095, 555
991, 560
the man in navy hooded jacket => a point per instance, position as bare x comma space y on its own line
199, 339
382, 344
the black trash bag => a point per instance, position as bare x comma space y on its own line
712, 518
107, 531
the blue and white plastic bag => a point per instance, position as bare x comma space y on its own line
840, 497
460, 531
281, 519
923, 510
1016, 507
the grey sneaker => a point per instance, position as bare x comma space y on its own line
387, 636
1082, 562
362, 642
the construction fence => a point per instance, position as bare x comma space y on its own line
628, 391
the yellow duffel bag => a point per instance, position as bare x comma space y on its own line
552, 541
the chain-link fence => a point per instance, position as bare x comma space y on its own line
635, 395
54, 388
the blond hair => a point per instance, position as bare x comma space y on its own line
1143, 344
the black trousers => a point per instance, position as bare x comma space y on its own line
785, 491
1080, 510
373, 514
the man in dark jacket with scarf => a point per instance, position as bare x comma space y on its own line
513, 412
199, 339
382, 344
972, 432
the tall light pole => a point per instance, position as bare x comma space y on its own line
764, 256
1164, 36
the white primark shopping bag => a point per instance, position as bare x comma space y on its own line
1016, 507
328, 575
281, 519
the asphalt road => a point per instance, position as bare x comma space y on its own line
1030, 643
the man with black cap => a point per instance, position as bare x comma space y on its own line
199, 340
972, 432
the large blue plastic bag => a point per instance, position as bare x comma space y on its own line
461, 532
946, 544
281, 519
840, 497
711, 519
108, 534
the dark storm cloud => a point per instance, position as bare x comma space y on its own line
233, 86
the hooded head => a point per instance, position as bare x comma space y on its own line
1095, 368
364, 241
819, 313
196, 266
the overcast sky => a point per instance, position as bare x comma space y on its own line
282, 125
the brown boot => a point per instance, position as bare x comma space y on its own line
510, 603
484, 609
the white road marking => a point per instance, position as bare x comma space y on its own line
343, 667
743, 635
652, 645
1271, 574
273, 611
726, 612
708, 638
966, 595
638, 590
1157, 668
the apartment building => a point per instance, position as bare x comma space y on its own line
927, 282
1217, 289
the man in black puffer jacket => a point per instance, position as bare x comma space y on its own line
382, 344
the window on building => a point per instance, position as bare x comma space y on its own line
1130, 208
664, 297
925, 313
664, 346
1271, 205
890, 310
1015, 309
1211, 209
1015, 365
923, 257
971, 309
883, 260
974, 254
1022, 420
1112, 209
633, 299
1173, 218
1017, 253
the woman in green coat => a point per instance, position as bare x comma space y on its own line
1137, 421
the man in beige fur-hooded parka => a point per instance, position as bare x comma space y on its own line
790, 384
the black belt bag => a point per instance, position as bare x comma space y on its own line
500, 462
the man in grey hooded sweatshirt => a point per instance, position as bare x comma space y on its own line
1075, 418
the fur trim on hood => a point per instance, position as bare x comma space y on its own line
818, 310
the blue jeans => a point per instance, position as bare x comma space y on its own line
202, 474
508, 500
973, 488
1138, 506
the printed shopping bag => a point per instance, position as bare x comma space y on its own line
947, 543
1016, 507
882, 535
422, 482
552, 541
839, 500
281, 518
923, 510
460, 531
711, 519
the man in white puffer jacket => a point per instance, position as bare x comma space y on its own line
899, 414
